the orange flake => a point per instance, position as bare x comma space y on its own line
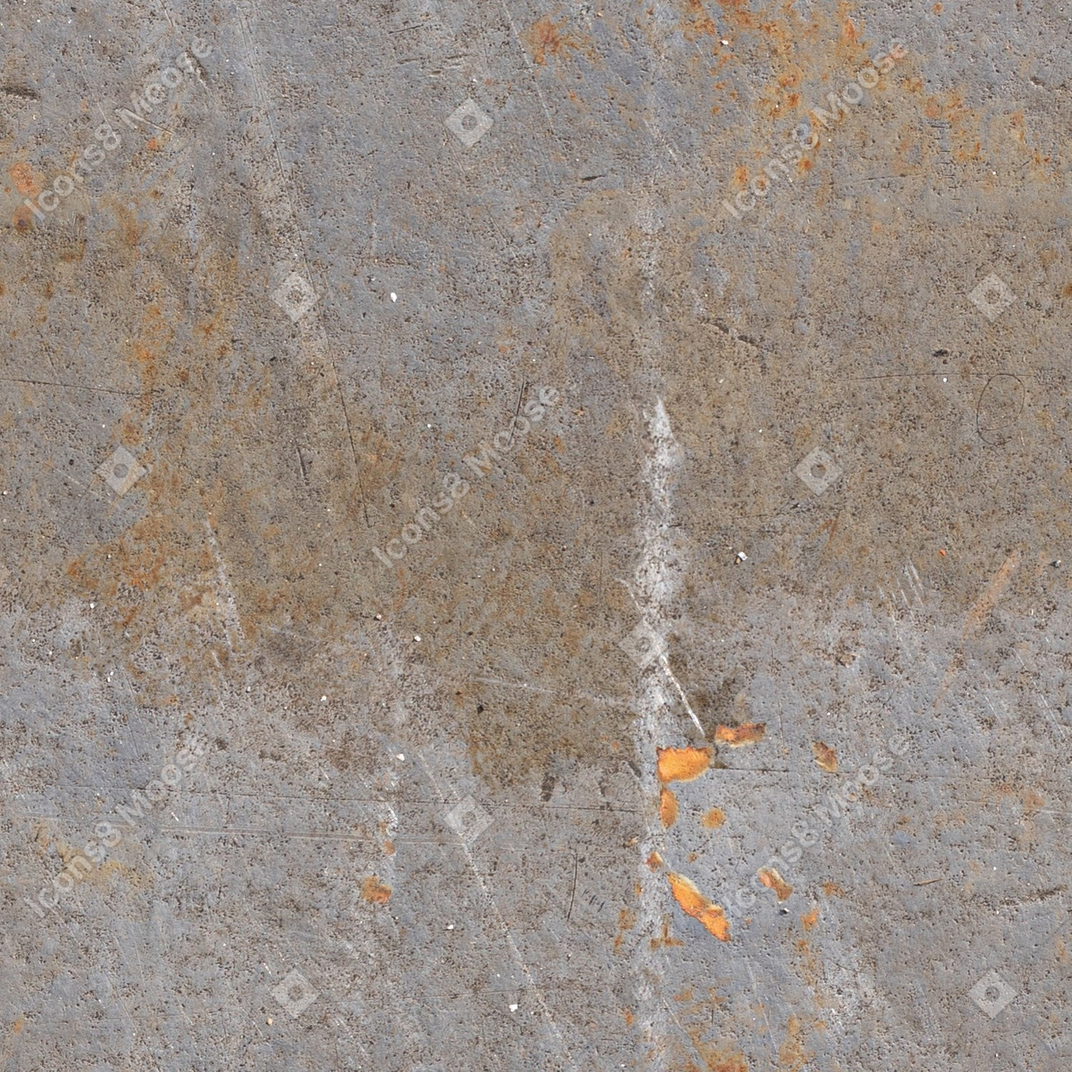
748, 733
682, 764
694, 903
825, 756
667, 807
374, 891
773, 881
714, 819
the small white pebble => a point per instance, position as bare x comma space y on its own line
417, 638
513, 1008
323, 699
401, 755
742, 556
450, 926
92, 605
394, 296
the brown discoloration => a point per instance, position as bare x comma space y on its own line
26, 182
654, 861
665, 940
713, 819
667, 807
694, 903
832, 889
773, 881
16, 1027
626, 922
792, 1055
809, 919
374, 891
546, 38
825, 756
682, 764
748, 733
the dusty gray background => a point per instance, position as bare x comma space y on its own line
580, 243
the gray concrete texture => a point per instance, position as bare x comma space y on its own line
533, 537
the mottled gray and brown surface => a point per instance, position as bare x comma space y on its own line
657, 750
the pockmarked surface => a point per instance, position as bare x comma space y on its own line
535, 537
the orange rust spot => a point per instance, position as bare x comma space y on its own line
825, 756
682, 764
740, 175
667, 807
773, 881
1067, 292
626, 922
23, 219
23, 177
693, 857
374, 891
153, 145
810, 919
545, 39
665, 940
832, 889
937, 9
713, 819
628, 1018
655, 861
694, 903
747, 733
389, 848
17, 1025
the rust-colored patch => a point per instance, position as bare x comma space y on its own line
773, 881
734, 1062
655, 861
809, 919
628, 1017
545, 38
666, 939
825, 756
374, 891
832, 889
17, 1026
389, 848
694, 903
713, 819
1067, 291
667, 807
626, 922
791, 1054
682, 764
747, 733
23, 177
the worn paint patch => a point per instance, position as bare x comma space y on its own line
682, 764
825, 756
713, 819
374, 891
773, 881
667, 807
694, 903
748, 733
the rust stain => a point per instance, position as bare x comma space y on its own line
627, 1014
655, 861
22, 175
626, 922
545, 38
17, 1026
809, 919
667, 807
747, 733
773, 881
666, 939
832, 889
713, 819
374, 891
694, 903
791, 1053
825, 756
682, 764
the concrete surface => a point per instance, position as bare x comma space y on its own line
714, 715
